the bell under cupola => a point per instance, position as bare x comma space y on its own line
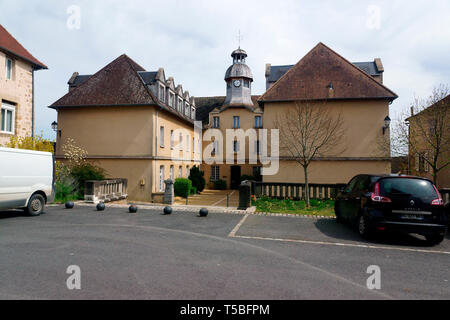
239, 80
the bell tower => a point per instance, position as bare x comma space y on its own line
239, 80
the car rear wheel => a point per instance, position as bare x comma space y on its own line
435, 238
364, 227
35, 205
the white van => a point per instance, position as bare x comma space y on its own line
26, 179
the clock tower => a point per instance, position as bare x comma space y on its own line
239, 80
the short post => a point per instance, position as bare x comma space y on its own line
244, 195
168, 192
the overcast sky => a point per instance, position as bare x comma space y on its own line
193, 40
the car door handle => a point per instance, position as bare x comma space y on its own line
358, 198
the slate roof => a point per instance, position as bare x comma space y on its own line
204, 105
9, 44
276, 72
311, 76
368, 67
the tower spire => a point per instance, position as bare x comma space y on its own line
240, 37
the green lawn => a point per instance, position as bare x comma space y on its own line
318, 207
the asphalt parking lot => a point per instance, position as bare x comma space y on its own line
147, 255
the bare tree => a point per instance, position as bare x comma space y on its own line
426, 130
309, 130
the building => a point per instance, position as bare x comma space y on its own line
16, 88
429, 130
133, 123
355, 90
237, 110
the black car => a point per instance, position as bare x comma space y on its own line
398, 203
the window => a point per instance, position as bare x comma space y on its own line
161, 137
193, 145
192, 113
258, 147
172, 140
171, 99
161, 178
258, 122
9, 67
215, 147
236, 146
7, 117
180, 142
188, 172
186, 109
235, 122
188, 141
180, 105
161, 93
216, 122
247, 83
172, 177
421, 163
180, 172
257, 173
215, 173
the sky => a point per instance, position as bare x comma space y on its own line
193, 39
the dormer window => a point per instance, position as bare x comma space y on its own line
180, 105
171, 99
186, 109
162, 91
192, 113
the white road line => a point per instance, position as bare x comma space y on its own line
236, 228
233, 235
216, 203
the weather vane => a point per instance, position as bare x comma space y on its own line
240, 37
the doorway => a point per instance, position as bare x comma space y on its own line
235, 177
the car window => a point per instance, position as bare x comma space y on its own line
360, 184
403, 186
351, 185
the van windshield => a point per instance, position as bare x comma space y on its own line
408, 187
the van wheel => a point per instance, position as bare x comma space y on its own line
35, 205
435, 238
364, 227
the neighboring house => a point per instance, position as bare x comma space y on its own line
357, 91
16, 88
422, 134
127, 120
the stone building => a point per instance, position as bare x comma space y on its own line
16, 88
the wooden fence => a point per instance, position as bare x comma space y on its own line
105, 190
295, 190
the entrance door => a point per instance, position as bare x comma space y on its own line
235, 177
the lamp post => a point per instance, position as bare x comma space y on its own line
55, 128
387, 124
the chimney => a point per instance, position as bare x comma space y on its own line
72, 80
380, 69
268, 67
412, 111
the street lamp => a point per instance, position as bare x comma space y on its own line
387, 123
55, 128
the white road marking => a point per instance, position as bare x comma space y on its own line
338, 244
236, 228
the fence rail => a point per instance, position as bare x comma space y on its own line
295, 190
105, 190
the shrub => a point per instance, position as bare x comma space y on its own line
197, 178
182, 187
86, 171
247, 177
193, 190
37, 143
220, 185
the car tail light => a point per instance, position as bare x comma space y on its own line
438, 201
376, 197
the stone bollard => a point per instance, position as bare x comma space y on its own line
244, 195
169, 196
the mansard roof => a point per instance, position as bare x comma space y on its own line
311, 77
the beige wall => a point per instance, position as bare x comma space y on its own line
124, 140
18, 90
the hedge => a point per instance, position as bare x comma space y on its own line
182, 187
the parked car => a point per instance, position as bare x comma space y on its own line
398, 203
26, 180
